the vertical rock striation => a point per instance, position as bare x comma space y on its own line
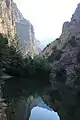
25, 32
7, 24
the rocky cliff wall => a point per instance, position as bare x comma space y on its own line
69, 29
25, 31
64, 52
7, 24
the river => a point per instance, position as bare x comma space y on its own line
32, 92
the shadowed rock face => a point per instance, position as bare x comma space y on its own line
65, 70
69, 45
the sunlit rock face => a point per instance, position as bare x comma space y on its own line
7, 24
25, 31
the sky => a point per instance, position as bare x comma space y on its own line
47, 16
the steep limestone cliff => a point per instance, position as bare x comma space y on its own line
64, 52
25, 32
69, 29
7, 24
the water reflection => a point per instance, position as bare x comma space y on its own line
16, 87
40, 103
42, 111
39, 113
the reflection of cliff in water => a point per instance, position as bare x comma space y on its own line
16, 87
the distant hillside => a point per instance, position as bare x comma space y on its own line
63, 54
39, 46
7, 23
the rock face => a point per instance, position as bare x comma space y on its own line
25, 32
39, 46
64, 57
68, 47
3, 108
7, 24
49, 48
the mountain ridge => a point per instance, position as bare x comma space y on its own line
69, 29
64, 51
63, 56
25, 32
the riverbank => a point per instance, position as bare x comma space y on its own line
4, 75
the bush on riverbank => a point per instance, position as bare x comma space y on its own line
15, 64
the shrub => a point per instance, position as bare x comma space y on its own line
10, 56
37, 67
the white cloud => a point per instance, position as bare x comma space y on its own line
47, 16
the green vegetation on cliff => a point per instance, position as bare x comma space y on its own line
16, 64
